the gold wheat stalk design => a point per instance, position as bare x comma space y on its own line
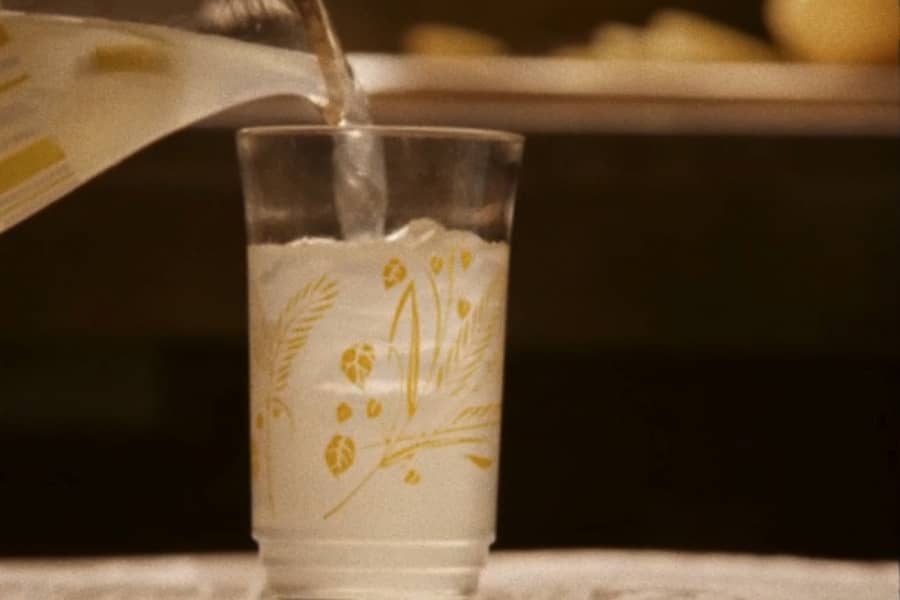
392, 457
441, 316
412, 372
468, 425
276, 356
433, 435
473, 340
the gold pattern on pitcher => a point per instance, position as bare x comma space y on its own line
274, 347
454, 370
138, 58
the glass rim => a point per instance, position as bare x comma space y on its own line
408, 131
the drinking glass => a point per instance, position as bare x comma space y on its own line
376, 356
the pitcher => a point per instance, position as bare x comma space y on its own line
85, 84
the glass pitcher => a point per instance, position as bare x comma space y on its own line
86, 83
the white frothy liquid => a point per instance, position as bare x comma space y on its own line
376, 389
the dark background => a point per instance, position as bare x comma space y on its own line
703, 351
704, 341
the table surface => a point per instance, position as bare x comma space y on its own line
536, 575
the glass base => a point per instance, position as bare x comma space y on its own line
371, 570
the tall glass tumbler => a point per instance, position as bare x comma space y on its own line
376, 361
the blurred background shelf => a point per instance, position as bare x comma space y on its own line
640, 97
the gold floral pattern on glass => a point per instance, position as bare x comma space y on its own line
455, 367
274, 348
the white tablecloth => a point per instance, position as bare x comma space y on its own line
543, 575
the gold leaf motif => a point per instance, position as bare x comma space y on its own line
373, 408
463, 307
482, 462
344, 412
394, 272
340, 454
466, 257
451, 377
357, 362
